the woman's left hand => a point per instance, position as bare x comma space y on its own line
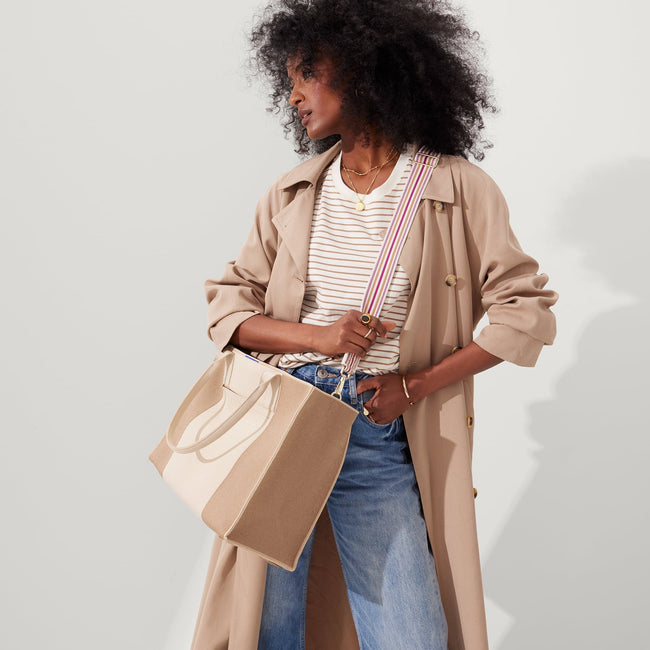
389, 400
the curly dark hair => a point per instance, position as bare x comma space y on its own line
409, 69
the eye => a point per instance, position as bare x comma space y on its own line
307, 72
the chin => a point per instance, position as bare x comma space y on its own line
314, 133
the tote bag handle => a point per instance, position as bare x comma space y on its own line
273, 383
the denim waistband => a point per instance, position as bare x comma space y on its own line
327, 378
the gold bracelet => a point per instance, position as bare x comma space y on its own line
406, 392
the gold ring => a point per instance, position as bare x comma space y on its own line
366, 318
368, 333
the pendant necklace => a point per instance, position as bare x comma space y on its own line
360, 206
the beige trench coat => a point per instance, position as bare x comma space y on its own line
462, 259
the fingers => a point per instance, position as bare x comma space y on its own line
360, 340
360, 336
357, 337
358, 345
390, 381
387, 401
369, 383
380, 327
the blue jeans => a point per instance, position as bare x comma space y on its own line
381, 539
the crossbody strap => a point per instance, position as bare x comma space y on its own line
424, 162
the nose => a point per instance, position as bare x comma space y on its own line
295, 97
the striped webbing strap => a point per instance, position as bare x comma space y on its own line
424, 162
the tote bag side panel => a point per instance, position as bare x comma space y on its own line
229, 499
292, 493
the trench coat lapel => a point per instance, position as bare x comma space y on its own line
294, 227
294, 220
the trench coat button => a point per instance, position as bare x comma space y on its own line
438, 206
456, 348
475, 492
470, 420
451, 280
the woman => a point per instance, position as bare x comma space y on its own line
393, 562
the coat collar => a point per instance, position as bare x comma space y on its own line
439, 188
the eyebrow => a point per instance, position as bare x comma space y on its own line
293, 69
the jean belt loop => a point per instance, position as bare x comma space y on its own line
353, 388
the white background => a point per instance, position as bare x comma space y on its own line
132, 153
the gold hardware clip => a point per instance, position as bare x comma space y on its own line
339, 387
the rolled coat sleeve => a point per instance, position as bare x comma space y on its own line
240, 292
505, 281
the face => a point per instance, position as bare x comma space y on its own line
318, 104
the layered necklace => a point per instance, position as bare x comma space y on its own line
360, 204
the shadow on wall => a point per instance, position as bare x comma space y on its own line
572, 564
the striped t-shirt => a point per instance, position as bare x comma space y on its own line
343, 247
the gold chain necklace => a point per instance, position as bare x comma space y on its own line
391, 154
360, 206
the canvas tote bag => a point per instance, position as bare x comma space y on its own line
255, 453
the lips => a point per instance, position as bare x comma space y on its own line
304, 116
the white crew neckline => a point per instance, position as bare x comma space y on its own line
378, 193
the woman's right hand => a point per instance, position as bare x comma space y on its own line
349, 334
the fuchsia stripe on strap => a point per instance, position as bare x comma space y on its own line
424, 162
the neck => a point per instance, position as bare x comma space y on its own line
361, 156
360, 159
